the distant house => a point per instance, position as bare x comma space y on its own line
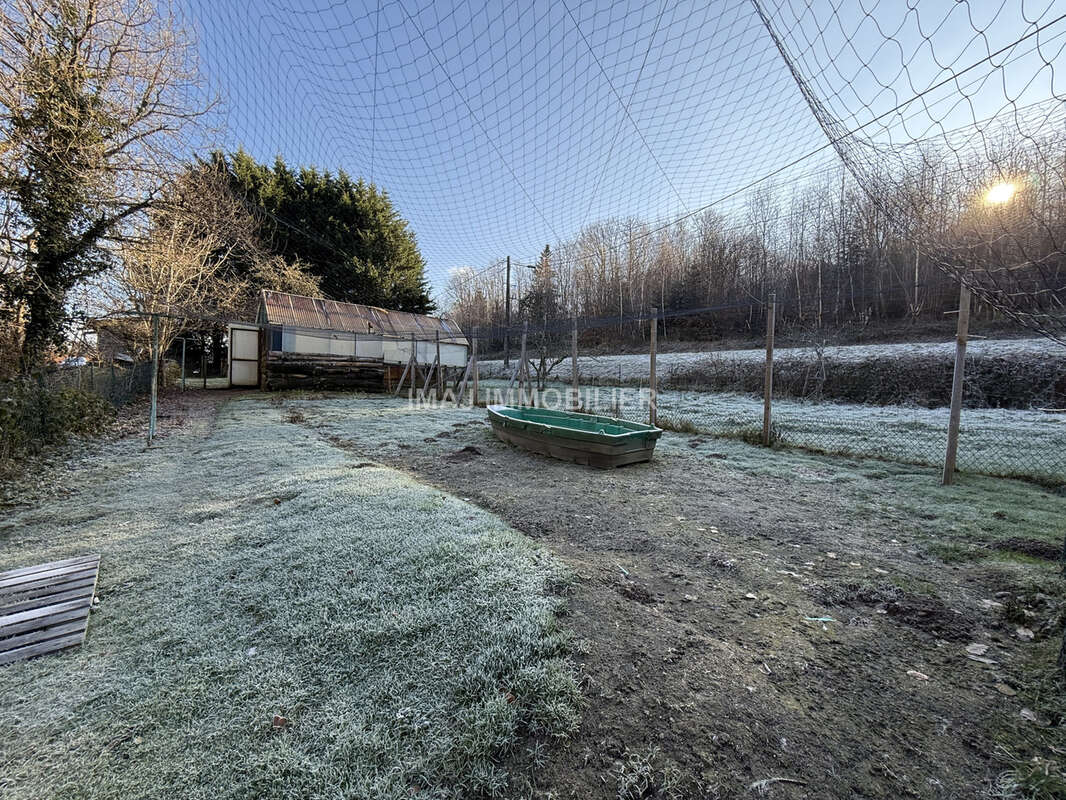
111, 346
306, 341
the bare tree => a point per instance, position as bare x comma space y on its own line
198, 262
95, 104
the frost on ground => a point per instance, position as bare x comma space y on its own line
278, 619
633, 368
743, 615
992, 441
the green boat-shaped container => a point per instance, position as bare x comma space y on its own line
603, 442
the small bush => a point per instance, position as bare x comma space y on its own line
33, 415
642, 776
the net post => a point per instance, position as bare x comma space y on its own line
473, 356
768, 376
153, 406
575, 402
653, 400
961, 335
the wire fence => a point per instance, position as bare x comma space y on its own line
51, 405
115, 382
885, 402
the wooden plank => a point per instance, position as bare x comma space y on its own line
45, 579
462, 382
19, 617
37, 576
44, 634
46, 607
43, 591
82, 592
41, 648
15, 573
81, 612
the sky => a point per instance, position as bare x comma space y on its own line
499, 127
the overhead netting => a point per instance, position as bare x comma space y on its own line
681, 155
950, 118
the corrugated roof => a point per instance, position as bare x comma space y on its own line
296, 311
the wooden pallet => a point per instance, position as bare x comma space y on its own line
46, 607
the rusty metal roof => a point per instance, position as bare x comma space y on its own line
296, 311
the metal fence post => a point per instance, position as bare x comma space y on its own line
962, 332
768, 377
183, 363
155, 378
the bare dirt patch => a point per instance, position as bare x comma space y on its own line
742, 616
1030, 547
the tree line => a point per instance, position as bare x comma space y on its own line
835, 254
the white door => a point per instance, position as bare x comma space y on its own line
243, 356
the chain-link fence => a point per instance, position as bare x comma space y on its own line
904, 418
116, 383
47, 407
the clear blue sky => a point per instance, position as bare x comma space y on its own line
499, 127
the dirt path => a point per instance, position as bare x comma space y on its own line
753, 619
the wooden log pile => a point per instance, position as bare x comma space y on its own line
320, 371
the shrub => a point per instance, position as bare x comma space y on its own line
33, 415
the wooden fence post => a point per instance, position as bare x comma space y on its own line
575, 403
155, 378
440, 371
768, 377
523, 368
183, 363
653, 399
473, 354
962, 332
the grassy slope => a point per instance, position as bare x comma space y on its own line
404, 633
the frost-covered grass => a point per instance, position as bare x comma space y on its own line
1030, 444
407, 637
633, 369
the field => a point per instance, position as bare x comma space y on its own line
634, 368
992, 441
1022, 374
436, 614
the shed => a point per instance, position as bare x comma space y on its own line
312, 341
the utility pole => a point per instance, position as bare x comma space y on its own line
507, 319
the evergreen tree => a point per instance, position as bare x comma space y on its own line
345, 232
